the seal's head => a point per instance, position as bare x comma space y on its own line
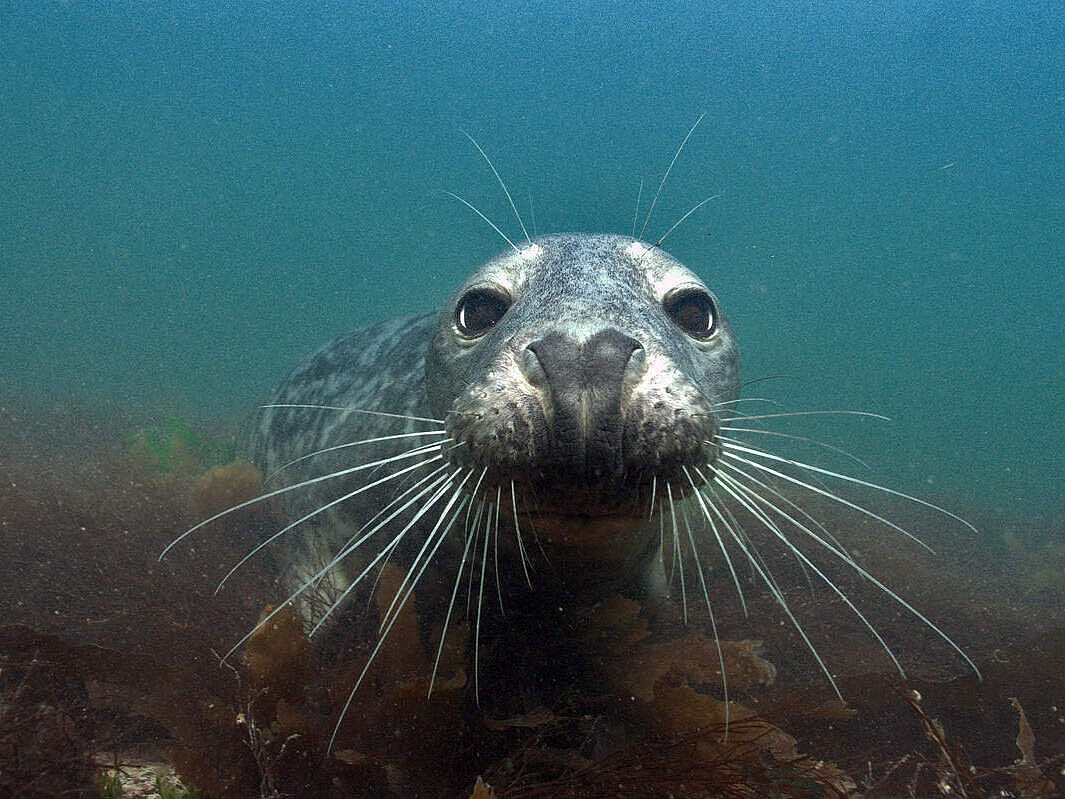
588, 370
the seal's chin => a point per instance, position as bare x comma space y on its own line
585, 531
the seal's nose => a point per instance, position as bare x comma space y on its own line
582, 384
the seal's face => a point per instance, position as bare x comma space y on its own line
586, 370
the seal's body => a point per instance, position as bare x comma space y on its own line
572, 378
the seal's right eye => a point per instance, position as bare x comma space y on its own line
479, 310
692, 310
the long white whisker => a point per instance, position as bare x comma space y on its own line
787, 414
662, 183
691, 211
388, 615
735, 530
845, 557
848, 479
476, 523
480, 602
474, 208
320, 509
384, 633
678, 561
450, 607
439, 488
761, 483
282, 468
778, 595
517, 532
713, 528
806, 439
654, 488
501, 183
734, 402
725, 452
495, 550
321, 573
779, 534
636, 213
473, 559
709, 610
352, 410
412, 453
828, 495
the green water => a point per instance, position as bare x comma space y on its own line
195, 195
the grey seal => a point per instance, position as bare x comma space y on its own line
574, 377
567, 421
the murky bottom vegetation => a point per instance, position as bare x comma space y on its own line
110, 659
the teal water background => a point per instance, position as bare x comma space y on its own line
193, 196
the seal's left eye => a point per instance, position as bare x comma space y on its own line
479, 310
692, 310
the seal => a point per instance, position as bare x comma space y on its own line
572, 379
567, 421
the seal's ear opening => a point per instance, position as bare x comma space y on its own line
692, 310
479, 310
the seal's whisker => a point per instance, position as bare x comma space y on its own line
473, 558
860, 570
867, 414
662, 183
348, 409
398, 603
828, 494
476, 522
501, 183
474, 208
709, 610
310, 582
375, 440
318, 575
355, 540
735, 529
393, 610
713, 528
495, 549
439, 487
662, 548
411, 453
473, 494
848, 479
797, 508
517, 532
734, 402
535, 533
480, 602
753, 506
654, 488
778, 595
678, 560
636, 213
320, 509
691, 211
451, 605
805, 439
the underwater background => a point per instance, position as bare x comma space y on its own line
195, 195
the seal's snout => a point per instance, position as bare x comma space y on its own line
581, 385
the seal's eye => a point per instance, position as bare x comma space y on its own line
692, 310
479, 310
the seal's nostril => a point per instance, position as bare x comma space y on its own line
532, 368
